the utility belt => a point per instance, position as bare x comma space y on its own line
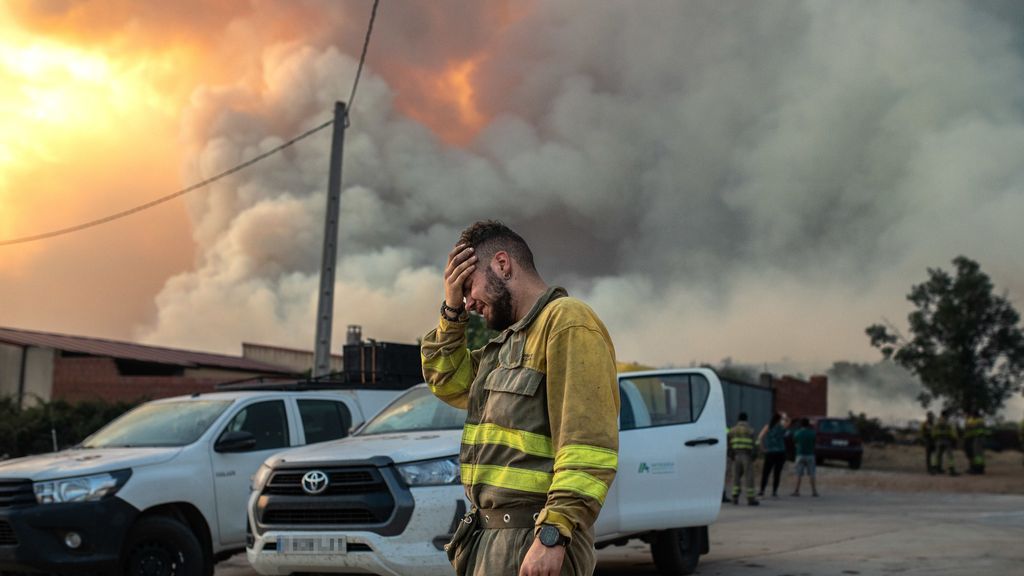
489, 519
508, 517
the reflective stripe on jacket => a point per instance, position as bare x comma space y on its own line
543, 405
944, 430
974, 427
741, 437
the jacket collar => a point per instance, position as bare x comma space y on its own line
549, 295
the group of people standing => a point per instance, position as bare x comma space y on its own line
743, 448
940, 438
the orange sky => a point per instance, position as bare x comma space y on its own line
90, 124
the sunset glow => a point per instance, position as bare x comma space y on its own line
57, 94
446, 102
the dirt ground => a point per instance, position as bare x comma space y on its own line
896, 468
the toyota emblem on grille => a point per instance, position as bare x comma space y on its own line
314, 482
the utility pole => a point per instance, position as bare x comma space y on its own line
325, 307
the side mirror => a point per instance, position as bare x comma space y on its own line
235, 441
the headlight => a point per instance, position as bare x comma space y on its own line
80, 489
431, 472
259, 479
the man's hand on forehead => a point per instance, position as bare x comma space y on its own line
461, 264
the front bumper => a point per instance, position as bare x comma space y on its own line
33, 536
413, 552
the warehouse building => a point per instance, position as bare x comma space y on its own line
40, 367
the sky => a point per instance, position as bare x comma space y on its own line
721, 181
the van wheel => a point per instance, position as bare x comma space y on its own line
676, 551
162, 546
855, 464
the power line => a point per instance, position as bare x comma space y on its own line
362, 58
171, 196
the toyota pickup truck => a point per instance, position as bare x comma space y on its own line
386, 499
162, 490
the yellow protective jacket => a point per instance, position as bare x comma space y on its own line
741, 437
543, 406
944, 429
975, 427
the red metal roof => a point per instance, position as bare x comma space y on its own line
138, 352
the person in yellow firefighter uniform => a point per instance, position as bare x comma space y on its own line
540, 446
741, 450
945, 442
975, 433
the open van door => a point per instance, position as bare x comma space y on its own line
671, 449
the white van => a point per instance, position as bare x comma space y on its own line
163, 488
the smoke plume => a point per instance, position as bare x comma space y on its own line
755, 180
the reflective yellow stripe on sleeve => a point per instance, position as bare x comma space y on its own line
584, 456
526, 442
506, 477
581, 483
459, 370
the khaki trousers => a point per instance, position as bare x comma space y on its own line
743, 469
500, 552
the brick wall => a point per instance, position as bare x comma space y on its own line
800, 398
95, 378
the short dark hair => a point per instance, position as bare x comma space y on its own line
742, 417
488, 237
805, 422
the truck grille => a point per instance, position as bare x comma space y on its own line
7, 537
15, 493
354, 496
289, 482
319, 516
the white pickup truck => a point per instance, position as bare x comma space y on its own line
162, 490
386, 500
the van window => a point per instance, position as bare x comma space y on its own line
662, 400
266, 421
324, 420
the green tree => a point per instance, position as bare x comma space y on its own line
477, 333
965, 346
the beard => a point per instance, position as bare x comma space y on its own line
502, 315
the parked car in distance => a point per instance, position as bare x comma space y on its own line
838, 439
835, 439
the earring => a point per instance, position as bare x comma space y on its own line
508, 275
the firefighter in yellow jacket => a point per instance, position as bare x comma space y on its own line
975, 433
540, 446
741, 450
945, 442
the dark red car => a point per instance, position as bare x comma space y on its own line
835, 439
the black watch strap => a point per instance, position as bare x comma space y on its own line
452, 314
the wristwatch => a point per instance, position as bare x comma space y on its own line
551, 537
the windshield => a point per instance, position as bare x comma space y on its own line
837, 427
159, 424
417, 409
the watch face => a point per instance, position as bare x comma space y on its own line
549, 535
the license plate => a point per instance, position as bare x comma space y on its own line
312, 545
840, 442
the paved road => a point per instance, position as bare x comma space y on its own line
842, 533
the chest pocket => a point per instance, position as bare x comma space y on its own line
510, 375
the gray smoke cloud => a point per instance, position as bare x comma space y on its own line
753, 180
